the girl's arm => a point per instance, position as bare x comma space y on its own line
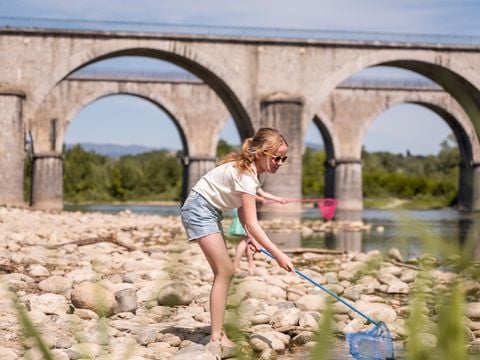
269, 196
248, 216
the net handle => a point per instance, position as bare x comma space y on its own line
322, 204
329, 292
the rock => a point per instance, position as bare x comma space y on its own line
38, 270
56, 285
354, 292
285, 318
50, 304
309, 320
268, 340
303, 338
171, 339
86, 314
146, 336
86, 274
7, 354
84, 351
197, 352
395, 254
398, 287
353, 326
94, 297
261, 318
472, 310
386, 278
311, 302
331, 278
408, 275
175, 294
268, 354
260, 290
377, 311
127, 301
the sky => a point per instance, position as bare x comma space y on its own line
388, 132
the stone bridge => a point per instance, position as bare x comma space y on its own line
277, 82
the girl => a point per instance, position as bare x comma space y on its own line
233, 184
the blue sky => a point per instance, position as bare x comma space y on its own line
152, 128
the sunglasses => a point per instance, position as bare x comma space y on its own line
277, 158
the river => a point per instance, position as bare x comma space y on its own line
413, 232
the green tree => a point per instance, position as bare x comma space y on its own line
86, 175
223, 148
313, 174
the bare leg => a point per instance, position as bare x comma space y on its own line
251, 261
239, 251
215, 250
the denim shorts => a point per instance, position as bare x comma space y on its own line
199, 217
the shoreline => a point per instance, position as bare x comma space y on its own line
396, 204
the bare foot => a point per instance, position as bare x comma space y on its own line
226, 342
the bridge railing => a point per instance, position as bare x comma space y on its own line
116, 75
185, 77
383, 83
242, 32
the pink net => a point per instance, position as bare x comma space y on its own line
327, 208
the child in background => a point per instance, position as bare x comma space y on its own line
236, 229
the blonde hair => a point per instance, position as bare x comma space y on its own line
266, 141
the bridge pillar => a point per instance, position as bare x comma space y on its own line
465, 187
284, 114
329, 178
47, 181
193, 169
475, 185
348, 189
12, 149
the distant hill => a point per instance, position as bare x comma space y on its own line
114, 150
314, 146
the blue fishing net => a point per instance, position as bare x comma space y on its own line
375, 344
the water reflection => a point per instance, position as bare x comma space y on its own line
469, 234
342, 240
286, 240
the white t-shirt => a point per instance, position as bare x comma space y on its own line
222, 186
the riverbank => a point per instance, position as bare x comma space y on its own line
418, 203
128, 286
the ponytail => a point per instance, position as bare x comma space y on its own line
266, 141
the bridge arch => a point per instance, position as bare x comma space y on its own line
163, 105
468, 145
322, 123
71, 95
453, 115
353, 111
218, 76
449, 73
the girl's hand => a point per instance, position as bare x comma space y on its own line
253, 245
285, 262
